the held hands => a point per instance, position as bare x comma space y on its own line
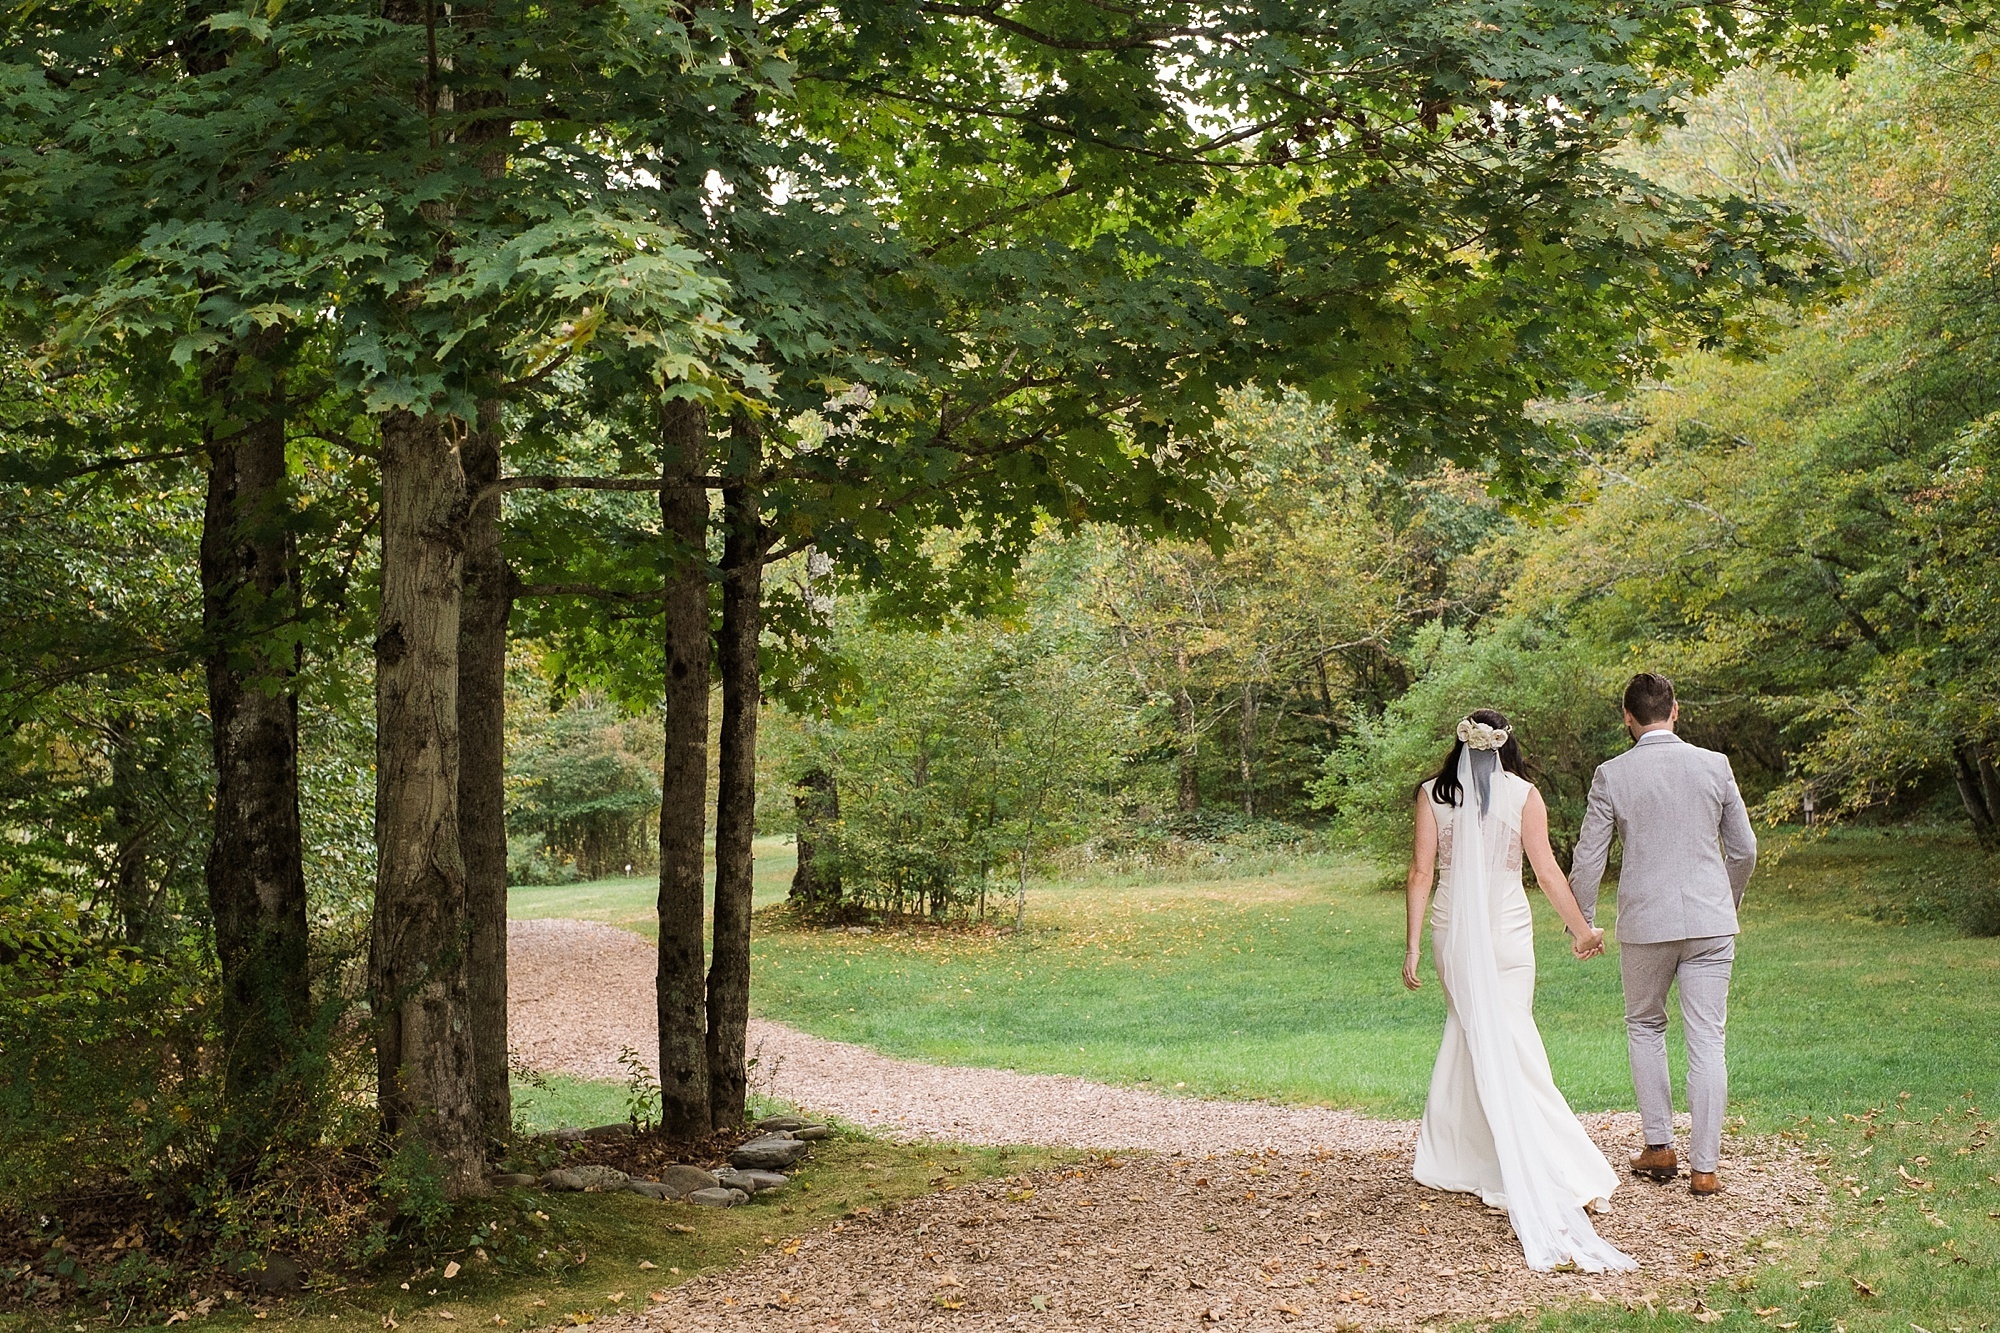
1588, 945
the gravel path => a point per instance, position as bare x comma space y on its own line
1247, 1214
1330, 1240
560, 1026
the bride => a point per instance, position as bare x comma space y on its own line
1495, 1125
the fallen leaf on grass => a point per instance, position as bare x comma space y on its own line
615, 1297
451, 1270
647, 1264
1861, 1288
656, 1296
680, 1227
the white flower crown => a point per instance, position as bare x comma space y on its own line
1479, 736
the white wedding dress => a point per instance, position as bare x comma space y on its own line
1495, 1124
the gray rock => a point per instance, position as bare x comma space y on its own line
621, 1130
751, 1182
567, 1134
585, 1178
652, 1189
601, 1177
788, 1122
274, 1274
717, 1198
812, 1133
770, 1152
512, 1180
682, 1180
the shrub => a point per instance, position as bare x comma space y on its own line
1561, 697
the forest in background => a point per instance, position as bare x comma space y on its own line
1031, 504
1801, 539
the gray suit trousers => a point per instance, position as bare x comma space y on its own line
1702, 968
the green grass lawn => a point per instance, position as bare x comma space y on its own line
632, 902
1280, 980
1284, 984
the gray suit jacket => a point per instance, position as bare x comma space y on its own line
1689, 849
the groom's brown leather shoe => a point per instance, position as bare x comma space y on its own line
1656, 1163
1704, 1182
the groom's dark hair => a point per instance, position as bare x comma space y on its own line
1649, 698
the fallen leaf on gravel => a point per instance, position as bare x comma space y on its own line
1038, 1302
656, 1295
945, 1302
949, 1280
1288, 1309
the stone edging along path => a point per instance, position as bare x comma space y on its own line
1238, 1214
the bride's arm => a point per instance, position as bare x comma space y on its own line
1535, 844
1423, 868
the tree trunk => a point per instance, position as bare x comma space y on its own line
816, 886
1326, 700
1188, 776
680, 989
744, 547
131, 833
1246, 745
426, 1088
482, 773
1965, 767
256, 865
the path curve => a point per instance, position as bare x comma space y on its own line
557, 1024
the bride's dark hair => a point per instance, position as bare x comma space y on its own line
1444, 786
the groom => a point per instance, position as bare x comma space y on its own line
1689, 852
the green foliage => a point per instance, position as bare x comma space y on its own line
642, 1089
1805, 542
100, 1042
1557, 691
580, 789
971, 750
